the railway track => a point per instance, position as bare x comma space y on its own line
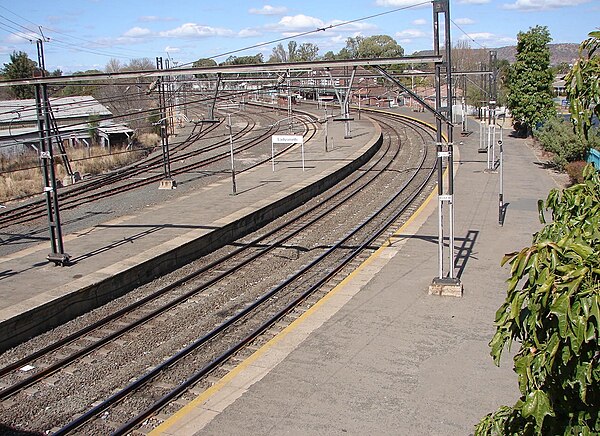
218, 308
184, 160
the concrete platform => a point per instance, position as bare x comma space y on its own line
379, 355
112, 258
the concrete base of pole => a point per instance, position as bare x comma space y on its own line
167, 184
446, 287
70, 180
62, 259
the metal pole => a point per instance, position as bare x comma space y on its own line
451, 207
273, 155
438, 128
233, 186
326, 125
449, 131
489, 152
501, 191
440, 211
493, 146
58, 255
289, 108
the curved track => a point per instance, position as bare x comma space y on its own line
211, 312
186, 157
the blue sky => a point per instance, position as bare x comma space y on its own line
86, 34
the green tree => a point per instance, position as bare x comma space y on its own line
558, 137
307, 52
552, 309
583, 85
329, 56
204, 62
530, 79
81, 88
20, 67
244, 60
561, 68
351, 49
376, 46
379, 46
282, 55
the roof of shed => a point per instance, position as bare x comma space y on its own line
18, 111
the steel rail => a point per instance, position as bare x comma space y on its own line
132, 423
68, 202
10, 390
157, 370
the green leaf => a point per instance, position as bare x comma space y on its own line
583, 376
560, 308
497, 345
538, 406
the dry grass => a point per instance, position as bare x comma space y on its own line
21, 177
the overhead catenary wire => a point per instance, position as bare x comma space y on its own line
467, 35
275, 41
73, 46
309, 32
138, 115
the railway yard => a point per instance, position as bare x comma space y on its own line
171, 292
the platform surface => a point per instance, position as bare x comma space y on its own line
28, 280
379, 355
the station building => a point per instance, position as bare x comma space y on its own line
78, 119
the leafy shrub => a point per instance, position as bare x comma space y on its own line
558, 137
575, 171
553, 310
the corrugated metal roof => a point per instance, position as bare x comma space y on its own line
19, 111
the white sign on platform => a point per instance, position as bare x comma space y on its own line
286, 139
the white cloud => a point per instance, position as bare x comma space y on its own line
193, 30
489, 39
402, 3
300, 22
249, 33
410, 34
464, 21
170, 49
269, 10
474, 2
540, 5
419, 22
289, 25
137, 32
21, 37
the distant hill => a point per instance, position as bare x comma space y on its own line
559, 53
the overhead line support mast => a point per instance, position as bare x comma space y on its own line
446, 283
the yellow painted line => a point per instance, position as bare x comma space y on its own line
198, 401
204, 396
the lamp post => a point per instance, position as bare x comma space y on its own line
231, 152
233, 185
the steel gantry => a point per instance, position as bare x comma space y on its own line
271, 75
446, 283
